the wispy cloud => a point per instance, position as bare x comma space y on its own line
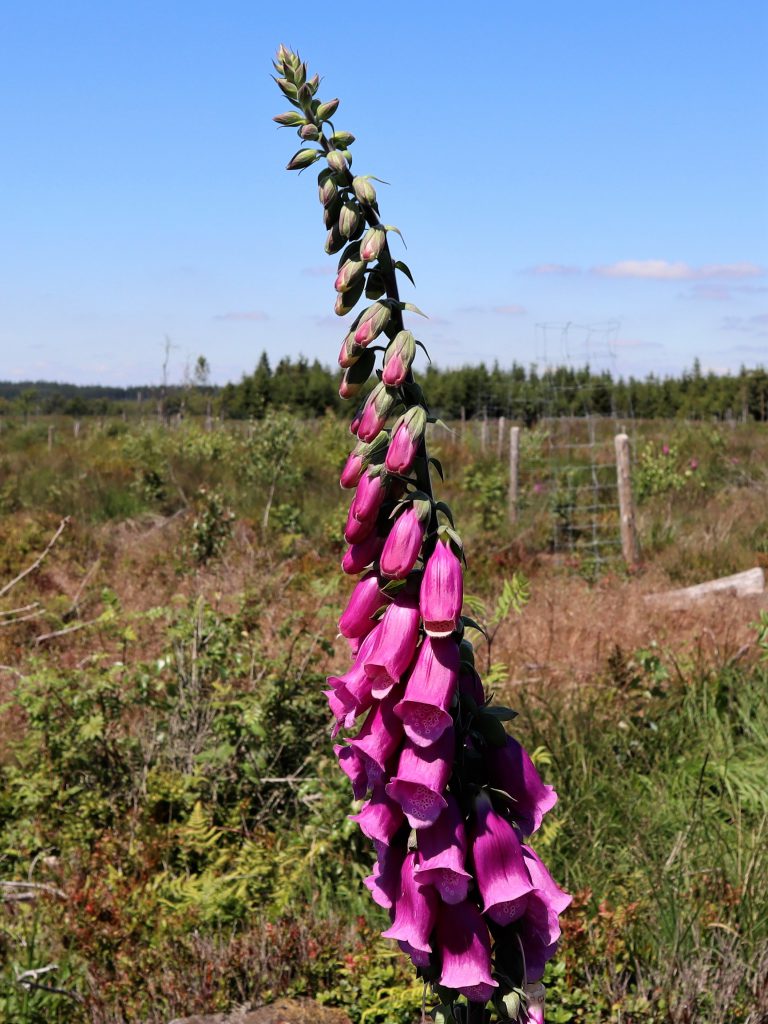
553, 268
635, 343
511, 310
664, 270
253, 315
746, 324
708, 293
322, 270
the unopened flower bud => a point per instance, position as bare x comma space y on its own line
346, 301
326, 186
332, 211
398, 359
359, 459
326, 110
292, 119
342, 140
350, 219
287, 88
334, 240
372, 323
350, 352
406, 438
373, 242
336, 161
402, 546
378, 406
310, 133
355, 376
364, 190
350, 274
304, 158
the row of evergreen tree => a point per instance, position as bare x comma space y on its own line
527, 394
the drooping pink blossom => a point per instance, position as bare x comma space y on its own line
398, 359
413, 914
359, 556
430, 690
502, 878
384, 883
380, 818
465, 950
358, 530
369, 496
419, 782
406, 438
402, 546
511, 769
352, 471
378, 739
367, 598
353, 766
442, 853
538, 930
396, 639
442, 591
534, 1005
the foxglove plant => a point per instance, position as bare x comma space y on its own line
449, 797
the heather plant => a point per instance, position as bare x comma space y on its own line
449, 797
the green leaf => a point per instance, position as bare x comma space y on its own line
490, 729
441, 506
413, 309
474, 625
499, 711
438, 466
399, 265
391, 227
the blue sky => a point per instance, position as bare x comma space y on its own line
597, 165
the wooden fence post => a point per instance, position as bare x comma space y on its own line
514, 473
50, 437
500, 441
630, 548
484, 431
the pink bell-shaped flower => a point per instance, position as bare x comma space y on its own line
430, 690
414, 914
366, 599
442, 591
465, 949
380, 817
384, 883
406, 438
402, 546
378, 739
511, 769
422, 773
499, 867
396, 639
359, 556
442, 852
369, 496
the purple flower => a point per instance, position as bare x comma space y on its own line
694, 464
414, 914
384, 883
406, 438
395, 646
665, 449
442, 591
366, 599
499, 867
534, 1006
370, 494
378, 739
429, 691
465, 948
539, 928
470, 685
356, 530
376, 411
402, 546
354, 768
350, 694
511, 769
353, 470
380, 817
422, 773
359, 556
442, 850
398, 359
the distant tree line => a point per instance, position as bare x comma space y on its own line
526, 394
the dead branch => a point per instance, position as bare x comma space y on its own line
63, 632
38, 561
30, 888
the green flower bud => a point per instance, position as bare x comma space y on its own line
287, 88
350, 218
336, 161
398, 359
313, 83
310, 133
304, 158
334, 240
351, 272
347, 156
332, 211
373, 242
342, 140
372, 323
326, 186
364, 190
290, 120
350, 352
326, 110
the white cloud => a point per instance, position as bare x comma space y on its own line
664, 270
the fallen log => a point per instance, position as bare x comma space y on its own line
741, 584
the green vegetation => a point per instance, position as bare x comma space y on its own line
171, 817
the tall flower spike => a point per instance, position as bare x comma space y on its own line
429, 750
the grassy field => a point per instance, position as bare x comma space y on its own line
173, 831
